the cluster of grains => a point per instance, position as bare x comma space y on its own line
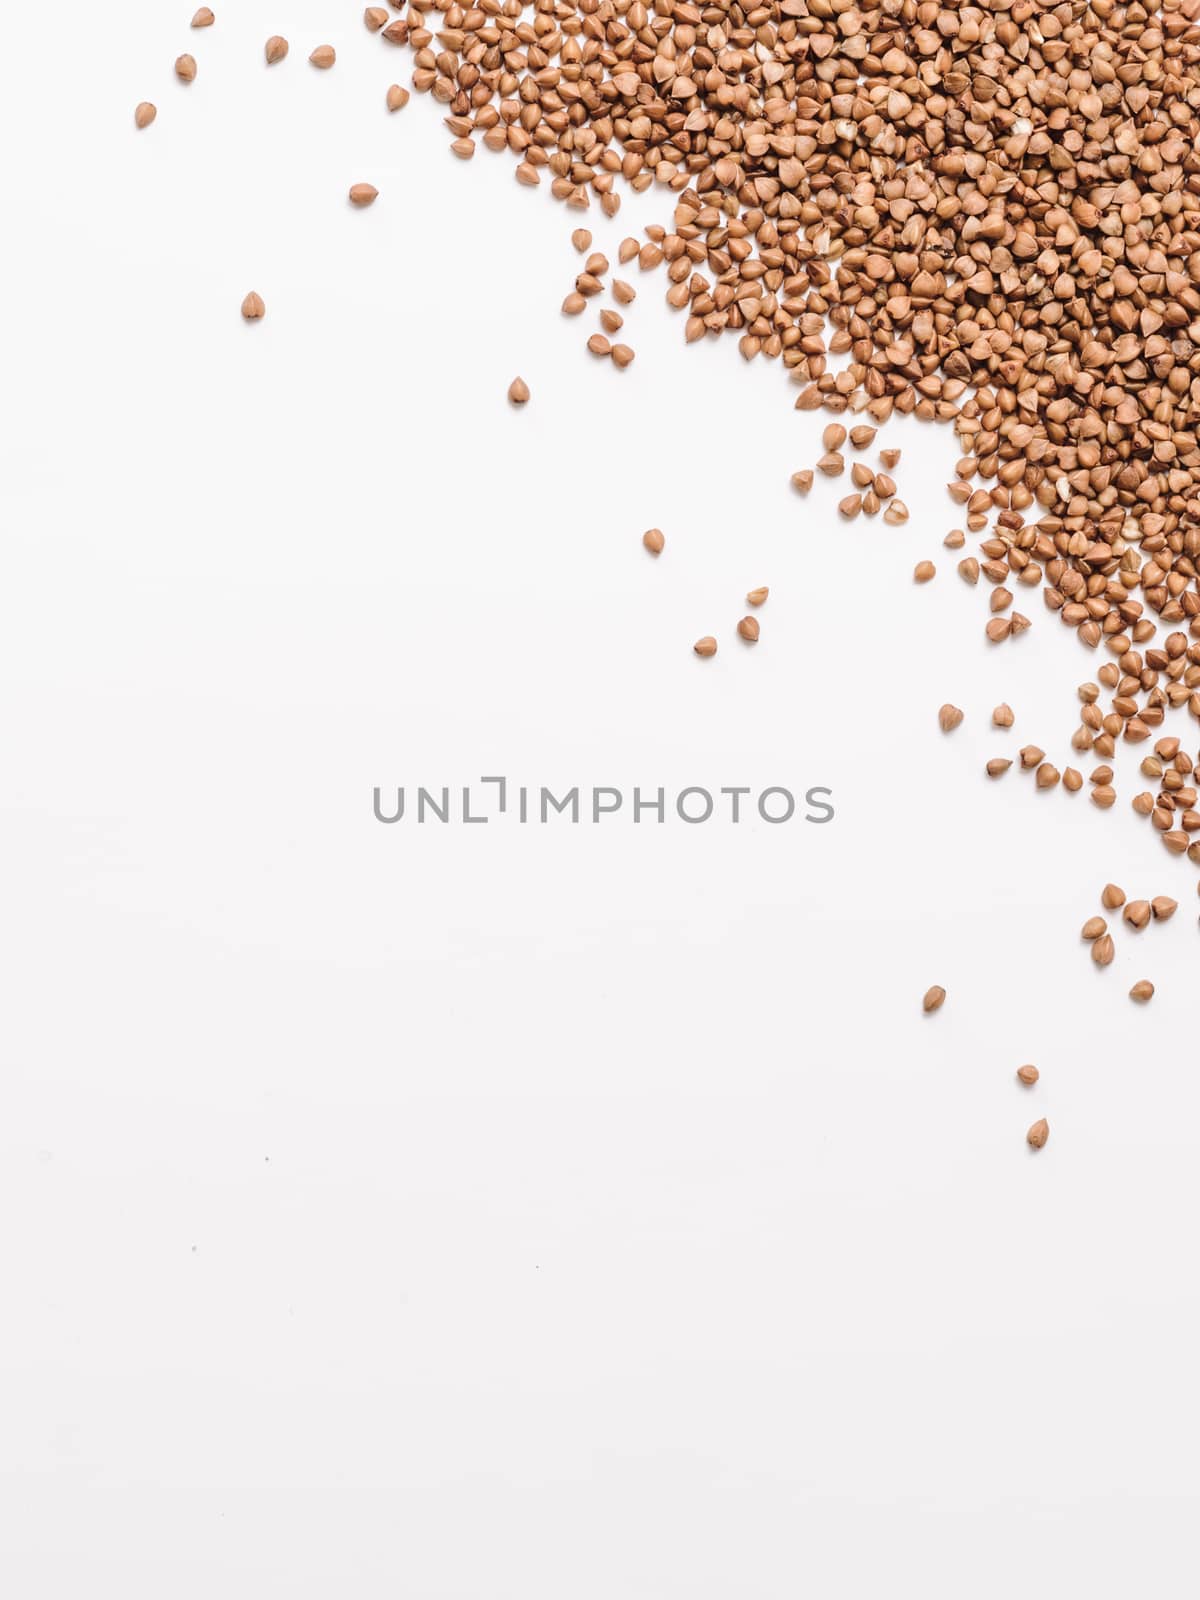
983, 214
588, 284
1172, 811
874, 491
998, 567
992, 211
1136, 914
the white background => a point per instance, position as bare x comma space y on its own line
581, 1212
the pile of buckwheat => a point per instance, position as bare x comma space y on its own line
992, 211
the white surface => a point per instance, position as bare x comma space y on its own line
464, 1212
